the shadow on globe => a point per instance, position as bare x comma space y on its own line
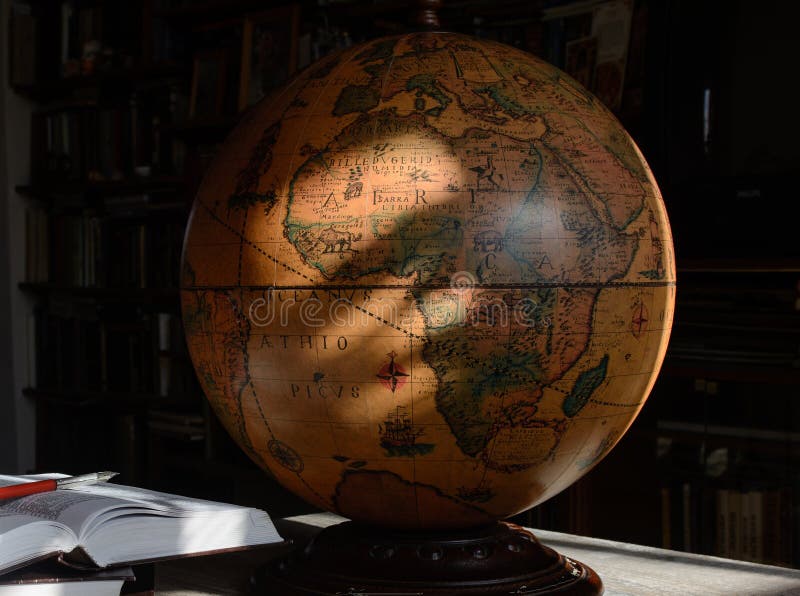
429, 283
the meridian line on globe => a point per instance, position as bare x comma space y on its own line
241, 246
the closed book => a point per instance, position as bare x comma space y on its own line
49, 578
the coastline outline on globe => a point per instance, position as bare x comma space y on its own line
429, 283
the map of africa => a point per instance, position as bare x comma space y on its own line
429, 283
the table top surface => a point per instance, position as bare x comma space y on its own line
626, 569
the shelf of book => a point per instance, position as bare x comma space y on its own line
205, 129
119, 143
47, 190
719, 498
141, 296
109, 400
192, 12
722, 419
730, 371
58, 88
739, 265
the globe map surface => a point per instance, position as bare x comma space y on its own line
429, 283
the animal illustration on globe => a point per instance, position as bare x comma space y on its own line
429, 283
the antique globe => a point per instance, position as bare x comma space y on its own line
429, 283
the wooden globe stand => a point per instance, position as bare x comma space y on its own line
501, 559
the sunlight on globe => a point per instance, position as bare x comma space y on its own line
429, 283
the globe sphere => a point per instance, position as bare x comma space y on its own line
428, 283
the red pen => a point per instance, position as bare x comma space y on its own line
42, 486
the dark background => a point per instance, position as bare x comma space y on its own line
723, 419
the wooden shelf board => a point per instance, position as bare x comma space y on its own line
737, 265
215, 127
106, 399
734, 432
55, 88
773, 375
207, 10
130, 186
146, 295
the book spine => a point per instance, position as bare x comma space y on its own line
686, 494
757, 526
744, 527
666, 523
722, 549
733, 523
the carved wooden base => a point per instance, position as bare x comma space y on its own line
500, 559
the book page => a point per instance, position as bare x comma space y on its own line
133, 538
25, 535
162, 525
168, 503
70, 508
13, 517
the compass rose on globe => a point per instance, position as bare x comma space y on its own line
392, 375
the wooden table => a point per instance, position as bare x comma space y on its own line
626, 569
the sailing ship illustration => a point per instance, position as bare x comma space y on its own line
399, 435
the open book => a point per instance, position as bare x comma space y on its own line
109, 524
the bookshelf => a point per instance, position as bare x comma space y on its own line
114, 163
716, 447
725, 419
